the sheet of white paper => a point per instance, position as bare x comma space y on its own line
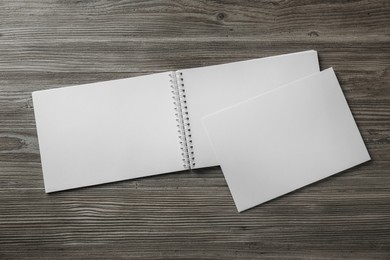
107, 131
285, 139
215, 87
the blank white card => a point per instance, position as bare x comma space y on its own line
285, 139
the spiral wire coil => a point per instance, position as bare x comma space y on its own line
182, 119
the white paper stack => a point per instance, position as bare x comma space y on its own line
287, 138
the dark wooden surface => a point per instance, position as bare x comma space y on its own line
48, 44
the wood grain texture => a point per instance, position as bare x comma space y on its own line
48, 44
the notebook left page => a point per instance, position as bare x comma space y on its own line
107, 131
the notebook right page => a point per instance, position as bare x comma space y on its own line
212, 88
285, 139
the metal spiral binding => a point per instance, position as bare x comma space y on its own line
182, 119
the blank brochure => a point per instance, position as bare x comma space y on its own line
287, 138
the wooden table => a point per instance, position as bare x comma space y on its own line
49, 44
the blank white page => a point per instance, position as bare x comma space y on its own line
285, 139
107, 131
215, 87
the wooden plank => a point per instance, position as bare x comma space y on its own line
48, 44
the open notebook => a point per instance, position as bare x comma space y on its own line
128, 128
282, 140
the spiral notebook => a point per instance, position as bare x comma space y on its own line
285, 139
122, 129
